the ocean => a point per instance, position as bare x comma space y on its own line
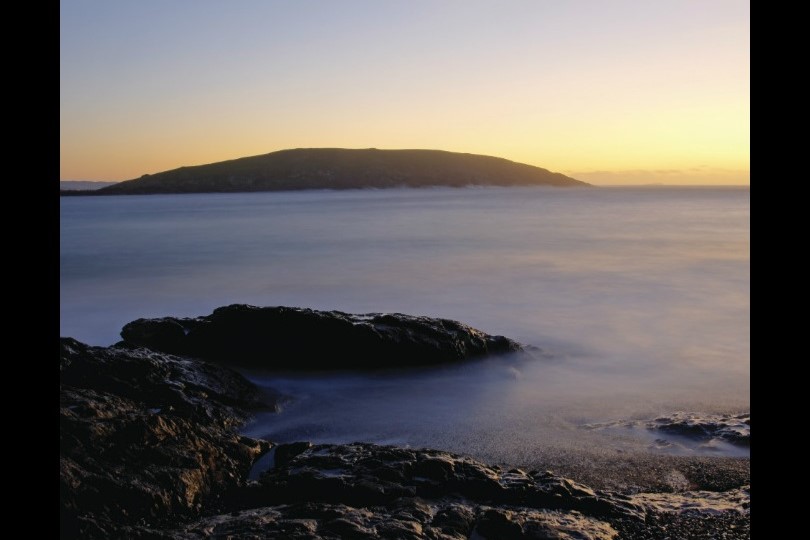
637, 296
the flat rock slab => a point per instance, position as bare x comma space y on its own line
288, 338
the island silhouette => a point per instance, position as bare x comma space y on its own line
340, 168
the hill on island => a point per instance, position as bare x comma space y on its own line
336, 168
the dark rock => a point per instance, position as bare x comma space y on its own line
358, 474
148, 449
285, 452
437, 469
411, 519
146, 436
301, 339
346, 527
734, 429
498, 524
456, 520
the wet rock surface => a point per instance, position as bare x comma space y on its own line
301, 339
734, 429
149, 448
365, 474
686, 431
405, 519
146, 437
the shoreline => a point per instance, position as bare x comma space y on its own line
150, 448
646, 472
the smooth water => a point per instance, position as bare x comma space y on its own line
641, 296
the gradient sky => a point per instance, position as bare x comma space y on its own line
610, 92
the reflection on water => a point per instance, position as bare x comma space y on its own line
641, 296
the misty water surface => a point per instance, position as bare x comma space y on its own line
641, 296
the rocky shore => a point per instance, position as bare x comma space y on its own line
150, 448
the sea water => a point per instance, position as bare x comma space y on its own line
638, 298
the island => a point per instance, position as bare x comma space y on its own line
340, 168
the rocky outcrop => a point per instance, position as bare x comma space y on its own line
683, 430
149, 449
734, 429
404, 519
146, 437
302, 339
362, 474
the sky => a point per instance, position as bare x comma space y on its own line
618, 92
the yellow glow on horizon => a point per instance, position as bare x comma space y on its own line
622, 135
618, 93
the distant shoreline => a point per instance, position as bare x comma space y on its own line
96, 192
